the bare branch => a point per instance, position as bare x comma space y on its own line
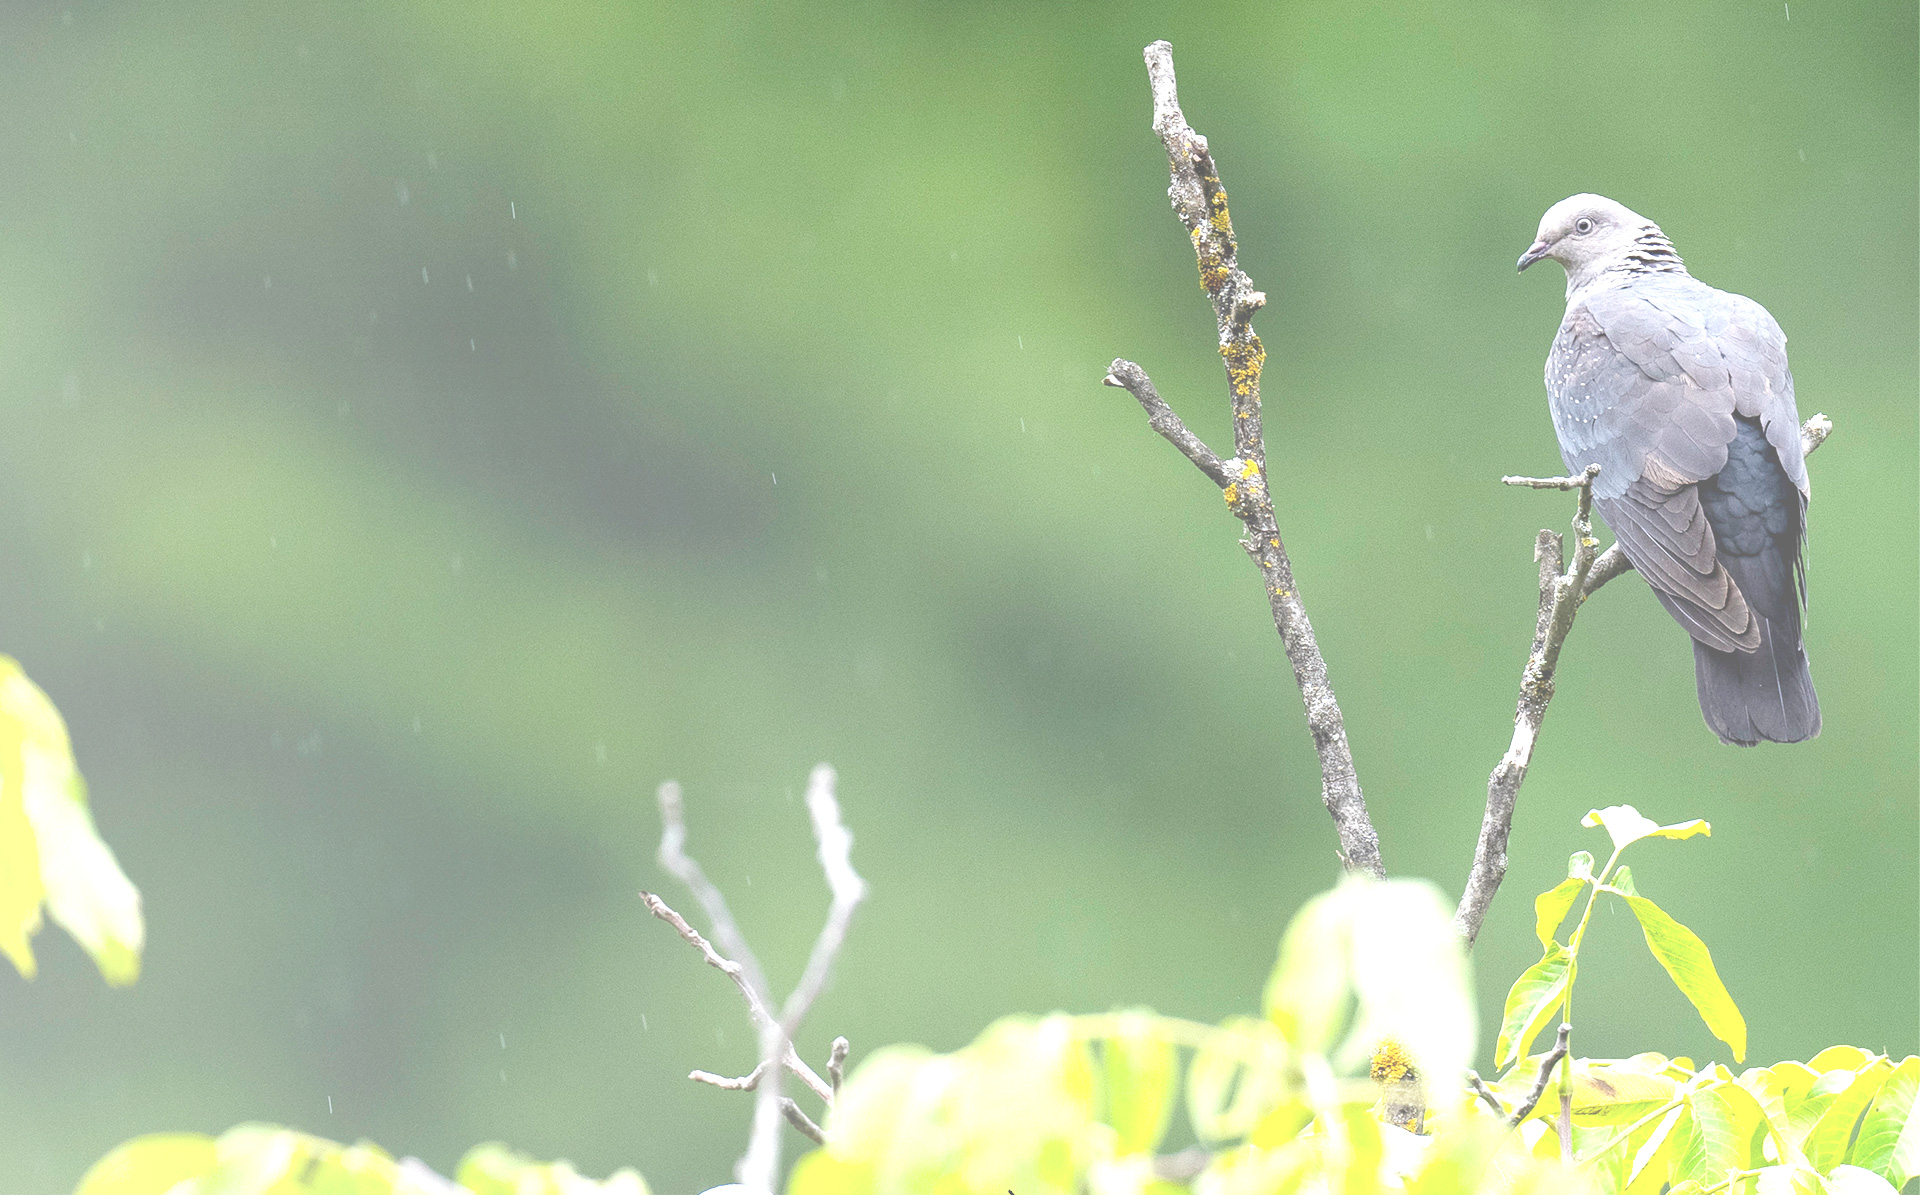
1481, 1089
800, 1120
1160, 417
759, 1169
1561, 595
757, 1010
1580, 482
1200, 200
837, 1062
1559, 601
746, 1082
1550, 1060
673, 856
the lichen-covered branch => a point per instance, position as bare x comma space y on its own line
1561, 595
1200, 200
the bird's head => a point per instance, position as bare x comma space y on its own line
1590, 234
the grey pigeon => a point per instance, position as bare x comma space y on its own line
1681, 394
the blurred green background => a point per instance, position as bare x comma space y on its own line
430, 425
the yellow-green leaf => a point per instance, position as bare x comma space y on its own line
1534, 998
1625, 824
1236, 1080
820, 1173
1410, 979
1826, 1143
1688, 961
1309, 995
493, 1169
1840, 1058
1140, 1067
1889, 1140
1605, 1095
1550, 908
1653, 1160
1852, 1180
1727, 1123
150, 1165
49, 848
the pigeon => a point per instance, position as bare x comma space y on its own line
1681, 394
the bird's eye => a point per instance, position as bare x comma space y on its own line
1583, 225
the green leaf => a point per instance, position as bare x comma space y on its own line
1852, 1180
1308, 994
1533, 1000
1727, 1124
1788, 1179
820, 1173
493, 1169
1889, 1140
48, 845
1370, 960
1605, 1095
1840, 1058
1141, 1068
1626, 825
1237, 1079
1780, 1088
1580, 866
150, 1165
1653, 1160
1411, 978
1826, 1143
1688, 961
1550, 907
1622, 881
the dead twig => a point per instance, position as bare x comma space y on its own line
1561, 595
1547, 1062
1200, 200
759, 1168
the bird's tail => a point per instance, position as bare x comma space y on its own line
1764, 694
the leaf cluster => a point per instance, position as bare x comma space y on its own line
258, 1159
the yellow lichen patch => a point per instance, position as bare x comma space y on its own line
1221, 222
1232, 493
1249, 469
1391, 1063
1244, 359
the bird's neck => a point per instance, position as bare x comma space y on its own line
1650, 252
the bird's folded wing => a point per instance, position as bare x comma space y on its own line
1641, 385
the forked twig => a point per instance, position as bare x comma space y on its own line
1563, 589
759, 1167
1200, 200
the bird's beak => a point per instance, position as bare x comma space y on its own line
1535, 252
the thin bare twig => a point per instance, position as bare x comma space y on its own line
1200, 200
800, 1120
756, 1004
837, 1062
1547, 1063
761, 1165
746, 1082
1559, 600
1561, 595
1481, 1089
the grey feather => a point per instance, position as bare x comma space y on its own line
1682, 395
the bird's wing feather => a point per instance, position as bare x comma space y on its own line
1645, 380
